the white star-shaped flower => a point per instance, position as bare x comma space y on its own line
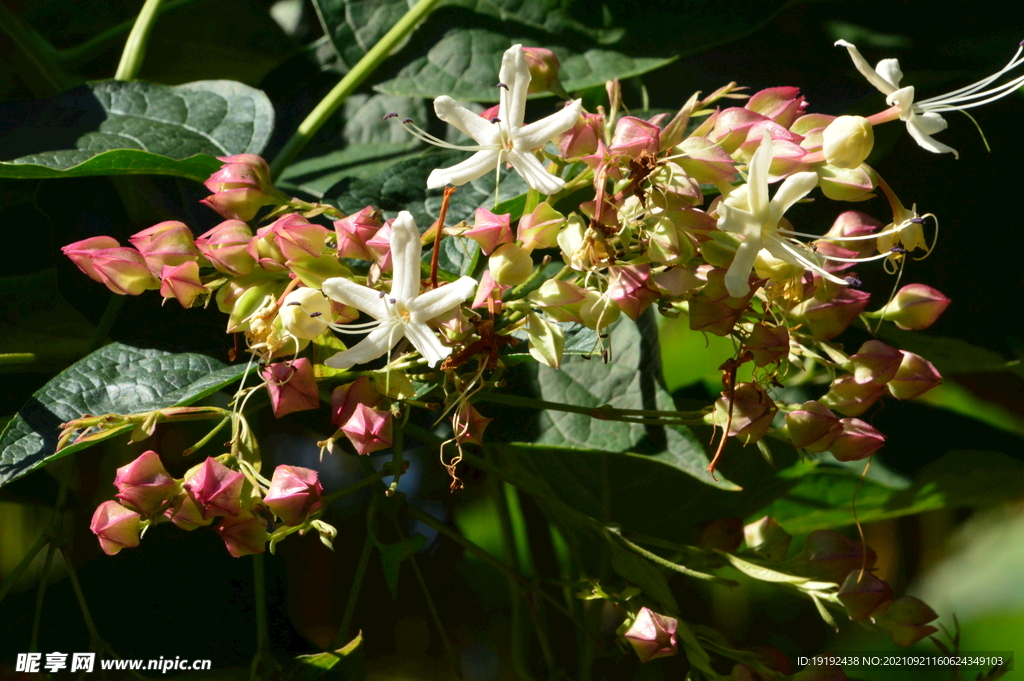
503, 139
748, 213
923, 118
404, 312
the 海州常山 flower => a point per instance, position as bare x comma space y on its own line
503, 139
402, 313
923, 118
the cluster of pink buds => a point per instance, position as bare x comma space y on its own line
210, 492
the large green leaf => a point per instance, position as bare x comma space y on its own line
117, 379
949, 355
344, 664
824, 498
118, 128
464, 64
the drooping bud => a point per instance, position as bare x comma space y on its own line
915, 377
186, 515
829, 318
540, 228
875, 362
469, 425
510, 265
165, 245
355, 231
847, 141
295, 494
634, 135
369, 430
705, 161
115, 526
144, 483
182, 283
243, 534
914, 307
543, 66
752, 412
850, 398
305, 313
298, 238
560, 300
768, 344
490, 230
845, 184
630, 287
379, 246
598, 311
346, 398
832, 556
906, 620
81, 253
862, 593
226, 247
767, 539
782, 104
124, 271
723, 534
241, 187
581, 139
652, 635
214, 488
813, 427
292, 386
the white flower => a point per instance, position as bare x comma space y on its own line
504, 139
748, 213
405, 311
923, 118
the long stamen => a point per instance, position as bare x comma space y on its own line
950, 101
421, 134
974, 87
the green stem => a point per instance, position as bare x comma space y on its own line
25, 562
449, 652
397, 449
604, 413
206, 438
262, 630
665, 563
100, 42
355, 487
353, 79
90, 626
34, 56
353, 593
135, 47
518, 642
37, 618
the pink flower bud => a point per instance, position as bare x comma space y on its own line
295, 494
115, 526
851, 398
845, 184
828, 318
165, 245
81, 253
723, 534
633, 135
540, 228
487, 288
768, 344
379, 246
238, 204
906, 621
354, 231
705, 161
369, 430
914, 307
862, 593
215, 489
875, 362
543, 66
676, 281
767, 539
244, 534
186, 515
813, 427
857, 441
297, 237
731, 127
853, 223
630, 286
124, 271
469, 425
226, 247
832, 556
652, 635
782, 104
752, 412
144, 483
510, 264
915, 377
490, 230
581, 139
346, 398
241, 187
292, 386
182, 283
490, 113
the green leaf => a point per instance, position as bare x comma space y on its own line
392, 555
116, 379
120, 128
643, 574
823, 499
355, 26
344, 664
464, 64
949, 355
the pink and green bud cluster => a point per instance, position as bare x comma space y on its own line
652, 635
241, 187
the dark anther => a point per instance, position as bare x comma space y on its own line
1022, 43
315, 314
392, 301
917, 221
897, 249
854, 282
295, 302
495, 120
382, 294
406, 121
390, 115
503, 85
604, 335
585, 356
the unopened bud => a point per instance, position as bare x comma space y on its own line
862, 593
875, 362
144, 483
81, 253
833, 556
847, 141
652, 635
630, 287
214, 488
851, 398
295, 494
768, 344
225, 246
115, 526
915, 377
186, 515
305, 313
767, 539
829, 318
858, 440
354, 231
182, 283
166, 244
914, 307
292, 386
544, 67
906, 620
752, 411
633, 135
124, 271
598, 311
369, 430
244, 534
510, 265
540, 228
346, 398
813, 427
490, 230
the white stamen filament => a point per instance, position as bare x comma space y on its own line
950, 100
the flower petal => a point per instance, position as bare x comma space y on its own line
435, 303
738, 221
793, 188
378, 342
425, 340
889, 71
918, 127
515, 74
347, 292
531, 170
884, 86
783, 250
467, 122
474, 167
736, 278
405, 257
537, 134
757, 177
